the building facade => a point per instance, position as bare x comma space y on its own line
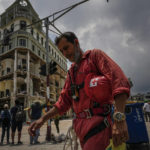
22, 52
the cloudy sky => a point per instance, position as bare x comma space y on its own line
121, 28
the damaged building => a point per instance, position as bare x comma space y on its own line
22, 52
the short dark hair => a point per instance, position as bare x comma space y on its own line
70, 36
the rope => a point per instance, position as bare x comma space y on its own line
71, 140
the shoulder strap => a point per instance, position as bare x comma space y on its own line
70, 77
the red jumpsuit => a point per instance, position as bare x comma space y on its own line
98, 62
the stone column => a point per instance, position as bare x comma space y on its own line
28, 80
15, 79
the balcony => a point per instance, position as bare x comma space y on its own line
21, 93
6, 76
24, 14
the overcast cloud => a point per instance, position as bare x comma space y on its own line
121, 28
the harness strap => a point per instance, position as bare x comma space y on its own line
104, 124
99, 111
80, 86
75, 89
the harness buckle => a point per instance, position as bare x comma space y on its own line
88, 113
107, 109
106, 122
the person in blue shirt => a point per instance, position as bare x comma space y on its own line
35, 113
6, 120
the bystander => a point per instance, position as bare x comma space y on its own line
34, 113
6, 118
146, 109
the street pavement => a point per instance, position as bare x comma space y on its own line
64, 125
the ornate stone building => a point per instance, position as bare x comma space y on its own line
22, 52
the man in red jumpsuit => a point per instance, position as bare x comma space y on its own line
92, 124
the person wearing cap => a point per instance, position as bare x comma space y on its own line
92, 123
6, 120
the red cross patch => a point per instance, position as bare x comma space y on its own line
93, 82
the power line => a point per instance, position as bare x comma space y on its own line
53, 15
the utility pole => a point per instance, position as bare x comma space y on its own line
53, 65
47, 23
48, 134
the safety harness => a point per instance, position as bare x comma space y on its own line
96, 110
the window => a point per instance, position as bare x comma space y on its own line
24, 68
24, 61
2, 94
8, 70
56, 84
2, 72
10, 46
43, 56
39, 53
3, 49
41, 40
0, 34
5, 32
22, 25
32, 31
37, 36
49, 48
147, 97
45, 44
33, 47
22, 42
6, 40
7, 92
12, 28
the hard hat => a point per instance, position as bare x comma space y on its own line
98, 88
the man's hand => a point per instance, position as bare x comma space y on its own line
119, 132
35, 125
119, 128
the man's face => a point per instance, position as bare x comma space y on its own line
68, 49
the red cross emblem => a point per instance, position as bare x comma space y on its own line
93, 82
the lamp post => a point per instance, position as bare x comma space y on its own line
48, 134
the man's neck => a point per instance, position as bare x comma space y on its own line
79, 57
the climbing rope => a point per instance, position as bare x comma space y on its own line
71, 140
